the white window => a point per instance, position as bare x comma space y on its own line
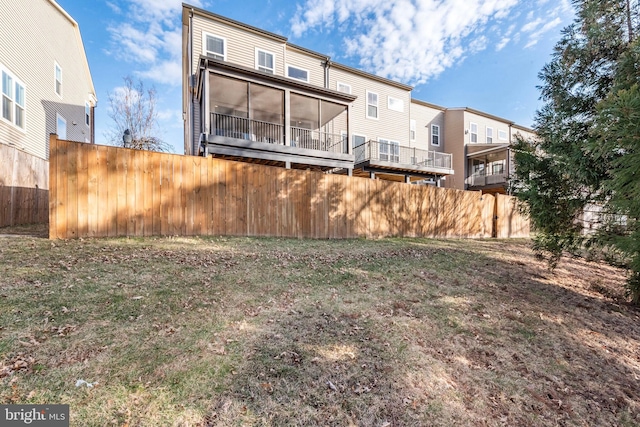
13, 100
502, 135
489, 135
497, 168
58, 79
372, 105
473, 130
389, 150
435, 135
298, 73
395, 104
61, 127
87, 113
265, 61
214, 46
412, 130
343, 87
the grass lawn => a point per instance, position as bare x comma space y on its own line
280, 332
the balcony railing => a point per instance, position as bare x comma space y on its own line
317, 140
394, 153
481, 179
273, 133
244, 128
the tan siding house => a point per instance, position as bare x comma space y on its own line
480, 144
304, 65
250, 95
46, 82
391, 124
428, 121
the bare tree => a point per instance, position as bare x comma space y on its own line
132, 108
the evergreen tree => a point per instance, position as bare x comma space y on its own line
580, 158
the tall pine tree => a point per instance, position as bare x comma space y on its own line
575, 165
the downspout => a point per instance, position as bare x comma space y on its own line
92, 117
191, 90
508, 177
327, 65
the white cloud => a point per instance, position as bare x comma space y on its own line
114, 7
164, 72
407, 40
171, 117
416, 40
531, 25
534, 29
537, 34
150, 38
502, 43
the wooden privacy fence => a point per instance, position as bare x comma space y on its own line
108, 191
24, 184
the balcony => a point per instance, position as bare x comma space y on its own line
318, 140
247, 129
482, 180
393, 158
262, 118
234, 136
489, 168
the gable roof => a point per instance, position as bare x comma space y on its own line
80, 45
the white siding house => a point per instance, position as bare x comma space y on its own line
46, 82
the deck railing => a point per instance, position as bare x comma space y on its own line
481, 179
395, 153
273, 133
244, 128
318, 140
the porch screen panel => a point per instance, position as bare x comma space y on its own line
304, 112
333, 118
266, 113
305, 121
228, 104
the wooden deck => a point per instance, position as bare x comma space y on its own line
225, 147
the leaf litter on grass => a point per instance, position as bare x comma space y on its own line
243, 331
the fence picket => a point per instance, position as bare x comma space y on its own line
109, 191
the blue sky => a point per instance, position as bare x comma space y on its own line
483, 54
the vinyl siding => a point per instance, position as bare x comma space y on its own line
310, 63
454, 126
482, 123
241, 44
526, 134
425, 117
197, 126
457, 122
30, 45
390, 124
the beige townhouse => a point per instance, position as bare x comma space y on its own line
481, 147
250, 95
54, 94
